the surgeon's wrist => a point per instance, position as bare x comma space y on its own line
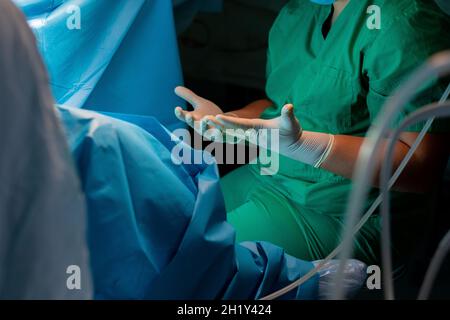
314, 148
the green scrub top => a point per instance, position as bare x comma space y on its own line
338, 84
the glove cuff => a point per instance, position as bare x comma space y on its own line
314, 148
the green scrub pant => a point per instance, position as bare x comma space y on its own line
259, 211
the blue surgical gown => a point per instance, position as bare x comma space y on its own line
123, 58
158, 230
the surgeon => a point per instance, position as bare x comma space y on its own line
42, 209
331, 67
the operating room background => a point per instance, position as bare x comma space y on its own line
223, 55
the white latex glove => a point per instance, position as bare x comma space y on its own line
204, 111
307, 147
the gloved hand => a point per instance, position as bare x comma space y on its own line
287, 124
204, 110
308, 147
